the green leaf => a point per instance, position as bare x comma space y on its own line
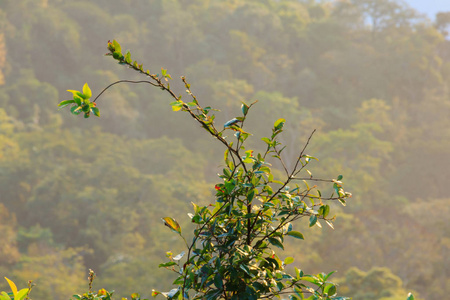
244, 108
64, 103
167, 264
95, 111
76, 93
5, 296
310, 279
266, 140
248, 160
87, 91
21, 294
331, 290
289, 227
172, 224
410, 296
276, 243
225, 155
245, 269
86, 108
78, 100
299, 292
75, 110
288, 260
218, 281
177, 105
117, 47
326, 210
251, 195
312, 220
296, 234
117, 55
128, 58
231, 122
279, 124
328, 275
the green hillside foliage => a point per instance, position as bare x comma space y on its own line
376, 284
373, 77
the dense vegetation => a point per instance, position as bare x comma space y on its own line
372, 76
232, 253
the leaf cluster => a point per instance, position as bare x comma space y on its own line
81, 102
15, 293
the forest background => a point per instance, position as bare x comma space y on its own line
372, 76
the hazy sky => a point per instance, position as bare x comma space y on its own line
430, 7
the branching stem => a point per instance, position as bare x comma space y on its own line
120, 81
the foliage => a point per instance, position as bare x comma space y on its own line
9, 253
377, 95
55, 271
15, 293
232, 251
377, 283
81, 102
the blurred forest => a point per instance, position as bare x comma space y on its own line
373, 76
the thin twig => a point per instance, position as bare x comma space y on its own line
120, 81
281, 160
311, 179
301, 152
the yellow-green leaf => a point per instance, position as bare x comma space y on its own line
117, 47
12, 286
296, 234
410, 296
64, 103
76, 93
288, 260
172, 224
87, 91
279, 124
4, 296
21, 294
95, 111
